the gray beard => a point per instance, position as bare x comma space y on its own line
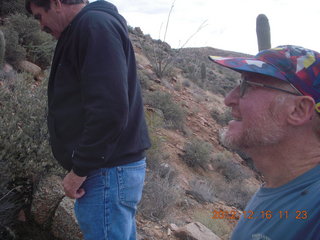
256, 136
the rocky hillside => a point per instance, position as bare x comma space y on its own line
196, 185
193, 182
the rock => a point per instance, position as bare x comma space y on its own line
138, 31
46, 198
22, 216
157, 80
40, 77
210, 167
64, 224
7, 68
195, 231
30, 68
173, 227
197, 196
7, 73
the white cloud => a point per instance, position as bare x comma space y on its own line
230, 23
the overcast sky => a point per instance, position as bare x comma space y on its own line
230, 24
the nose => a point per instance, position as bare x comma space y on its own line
232, 97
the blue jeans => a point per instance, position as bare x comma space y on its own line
107, 210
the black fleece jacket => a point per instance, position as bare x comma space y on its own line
95, 116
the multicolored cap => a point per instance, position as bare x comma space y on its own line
296, 65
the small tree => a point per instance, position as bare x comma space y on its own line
161, 58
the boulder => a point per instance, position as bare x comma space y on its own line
31, 68
195, 231
48, 194
64, 224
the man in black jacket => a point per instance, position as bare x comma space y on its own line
95, 114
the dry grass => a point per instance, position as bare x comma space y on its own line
159, 197
220, 227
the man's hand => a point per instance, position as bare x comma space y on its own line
71, 184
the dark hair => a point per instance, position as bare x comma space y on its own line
46, 3
40, 3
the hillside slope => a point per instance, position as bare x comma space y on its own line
193, 192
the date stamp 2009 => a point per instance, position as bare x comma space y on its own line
267, 214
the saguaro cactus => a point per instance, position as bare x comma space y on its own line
263, 32
2, 49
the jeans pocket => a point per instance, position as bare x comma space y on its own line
131, 180
93, 186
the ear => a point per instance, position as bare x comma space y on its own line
301, 111
56, 5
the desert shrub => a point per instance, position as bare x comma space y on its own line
173, 113
202, 190
235, 193
11, 6
144, 80
186, 83
221, 118
177, 87
154, 153
160, 55
223, 163
14, 51
197, 153
24, 148
220, 227
10, 204
38, 45
159, 196
24, 138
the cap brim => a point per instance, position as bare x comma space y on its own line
241, 64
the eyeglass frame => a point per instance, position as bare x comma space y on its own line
244, 83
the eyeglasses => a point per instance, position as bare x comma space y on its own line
244, 83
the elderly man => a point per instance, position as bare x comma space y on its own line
95, 118
276, 122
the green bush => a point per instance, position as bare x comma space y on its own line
24, 33
232, 170
24, 138
197, 153
14, 51
11, 6
24, 148
173, 113
144, 80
